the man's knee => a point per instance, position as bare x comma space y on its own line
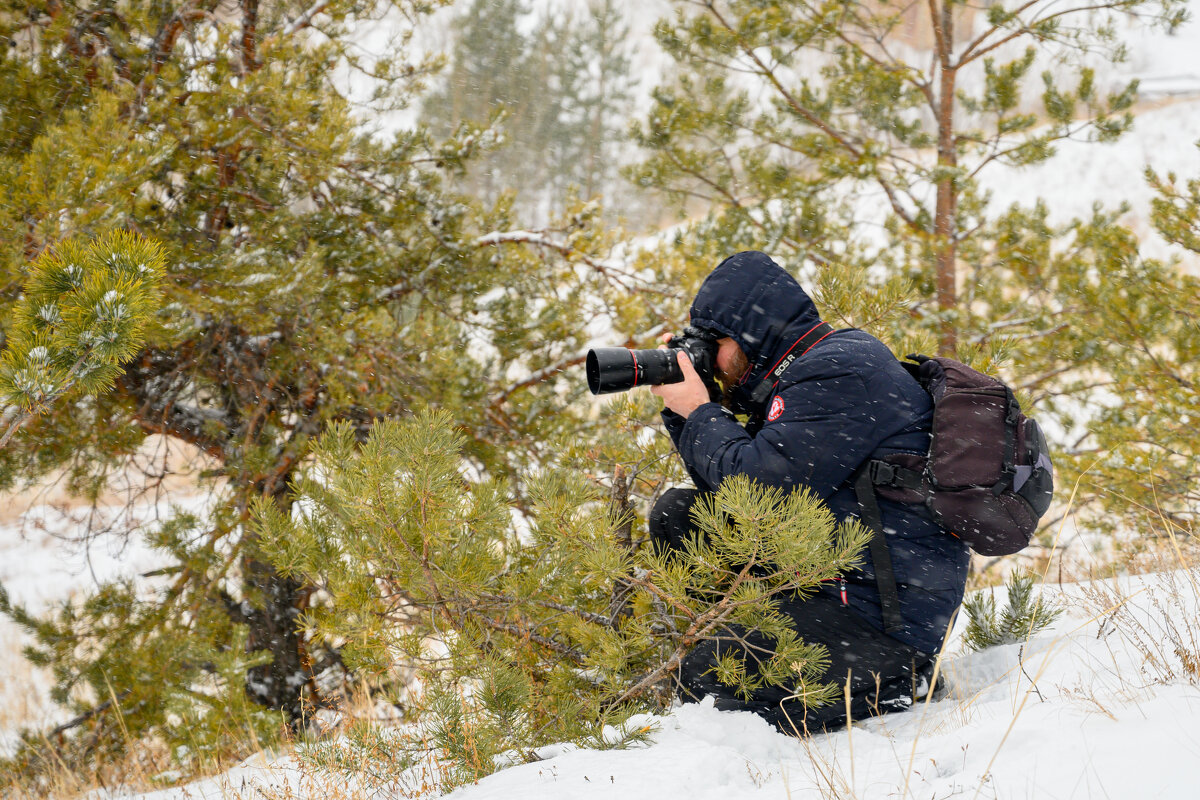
670, 520
884, 674
697, 669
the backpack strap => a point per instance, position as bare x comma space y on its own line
885, 578
1012, 418
802, 345
885, 473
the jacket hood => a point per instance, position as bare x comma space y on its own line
755, 302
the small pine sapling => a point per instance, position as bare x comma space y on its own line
1022, 618
497, 631
754, 546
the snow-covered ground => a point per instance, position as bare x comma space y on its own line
1087, 709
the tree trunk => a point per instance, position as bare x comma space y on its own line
270, 604
275, 629
274, 626
945, 245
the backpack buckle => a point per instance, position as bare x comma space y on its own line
883, 473
1012, 414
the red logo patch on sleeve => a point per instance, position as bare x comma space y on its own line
775, 410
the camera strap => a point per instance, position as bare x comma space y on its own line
801, 347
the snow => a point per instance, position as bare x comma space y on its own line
1078, 711
1089, 708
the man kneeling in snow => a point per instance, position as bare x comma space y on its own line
821, 403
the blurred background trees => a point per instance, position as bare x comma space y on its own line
549, 92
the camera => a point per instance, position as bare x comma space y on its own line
619, 369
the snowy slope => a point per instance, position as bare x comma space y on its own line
1083, 710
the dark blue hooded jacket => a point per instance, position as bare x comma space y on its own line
846, 400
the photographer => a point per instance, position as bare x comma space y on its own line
820, 403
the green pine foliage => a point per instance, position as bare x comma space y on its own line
84, 311
1150, 454
597, 71
1131, 348
1177, 209
1024, 616
500, 632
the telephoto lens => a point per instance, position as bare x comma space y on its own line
619, 369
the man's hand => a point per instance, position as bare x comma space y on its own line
683, 398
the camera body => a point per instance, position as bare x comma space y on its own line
619, 369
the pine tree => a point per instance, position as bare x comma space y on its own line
315, 275
788, 116
1143, 457
1122, 380
511, 633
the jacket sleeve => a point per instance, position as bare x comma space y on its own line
828, 426
674, 425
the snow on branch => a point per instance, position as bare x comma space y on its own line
305, 19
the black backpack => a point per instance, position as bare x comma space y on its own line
987, 478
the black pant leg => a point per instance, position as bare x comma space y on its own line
884, 674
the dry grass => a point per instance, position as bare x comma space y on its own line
146, 766
58, 779
1164, 627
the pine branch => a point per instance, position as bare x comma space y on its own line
304, 20
586, 616
76, 721
976, 49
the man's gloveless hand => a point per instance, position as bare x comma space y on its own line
683, 398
